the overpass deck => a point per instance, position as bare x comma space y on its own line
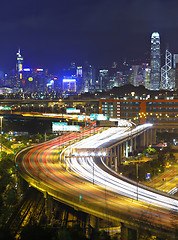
98, 188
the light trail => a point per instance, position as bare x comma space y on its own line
84, 167
40, 167
108, 137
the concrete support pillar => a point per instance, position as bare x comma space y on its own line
94, 222
110, 158
135, 143
115, 158
107, 161
126, 149
88, 227
128, 233
142, 140
115, 164
131, 145
115, 151
153, 135
48, 206
146, 138
124, 232
118, 155
150, 137
46, 203
120, 152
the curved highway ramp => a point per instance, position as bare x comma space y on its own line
87, 184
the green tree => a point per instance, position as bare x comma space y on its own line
5, 234
100, 235
150, 151
36, 232
11, 197
64, 234
8, 194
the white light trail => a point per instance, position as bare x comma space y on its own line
109, 135
89, 171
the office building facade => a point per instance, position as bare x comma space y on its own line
167, 73
19, 69
156, 111
155, 62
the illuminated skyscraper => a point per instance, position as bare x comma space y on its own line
155, 62
175, 60
137, 75
79, 76
88, 78
167, 79
104, 79
140, 75
176, 69
147, 77
19, 68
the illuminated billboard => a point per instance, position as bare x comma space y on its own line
5, 108
30, 79
81, 118
69, 84
63, 127
98, 117
26, 69
72, 110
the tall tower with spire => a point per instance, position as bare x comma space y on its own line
19, 68
155, 62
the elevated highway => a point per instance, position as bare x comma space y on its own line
86, 183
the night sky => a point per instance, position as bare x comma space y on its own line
53, 33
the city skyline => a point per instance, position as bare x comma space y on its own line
51, 35
86, 78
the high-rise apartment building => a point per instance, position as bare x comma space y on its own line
155, 62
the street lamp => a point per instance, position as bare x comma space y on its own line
1, 133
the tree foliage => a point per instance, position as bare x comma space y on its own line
36, 232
